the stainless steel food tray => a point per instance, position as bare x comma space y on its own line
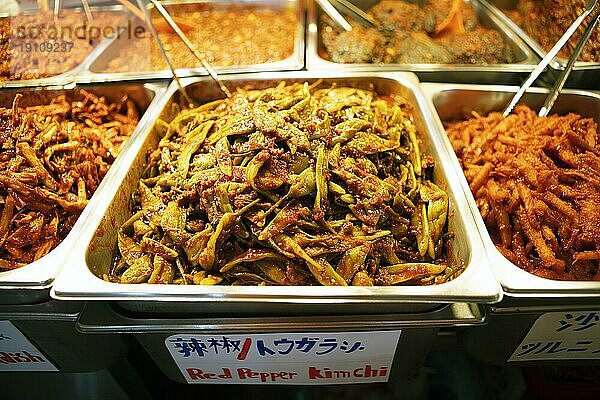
31, 283
97, 242
455, 101
496, 7
494, 73
71, 75
93, 67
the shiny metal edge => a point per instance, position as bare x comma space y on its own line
67, 77
476, 283
291, 63
515, 281
558, 63
100, 317
39, 275
316, 62
50, 310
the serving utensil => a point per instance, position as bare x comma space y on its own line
159, 24
589, 8
148, 19
353, 11
453, 23
333, 8
562, 78
164, 13
334, 14
86, 10
57, 7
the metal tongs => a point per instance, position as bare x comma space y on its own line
186, 41
333, 8
43, 5
591, 8
191, 47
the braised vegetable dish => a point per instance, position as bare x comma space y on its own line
52, 159
536, 183
547, 20
296, 184
439, 32
225, 35
34, 46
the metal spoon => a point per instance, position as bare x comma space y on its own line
591, 5
57, 7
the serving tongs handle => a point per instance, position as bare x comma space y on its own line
87, 10
334, 14
353, 11
591, 5
190, 46
161, 47
564, 75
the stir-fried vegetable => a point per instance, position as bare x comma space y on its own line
290, 185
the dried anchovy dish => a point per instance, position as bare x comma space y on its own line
289, 185
536, 183
52, 159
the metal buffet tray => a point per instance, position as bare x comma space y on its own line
455, 101
31, 283
496, 7
93, 68
71, 75
493, 73
79, 278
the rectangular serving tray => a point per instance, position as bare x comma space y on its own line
93, 255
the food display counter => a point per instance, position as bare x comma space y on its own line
322, 200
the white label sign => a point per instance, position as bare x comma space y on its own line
285, 358
18, 354
566, 335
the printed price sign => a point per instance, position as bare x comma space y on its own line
285, 358
18, 354
561, 336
